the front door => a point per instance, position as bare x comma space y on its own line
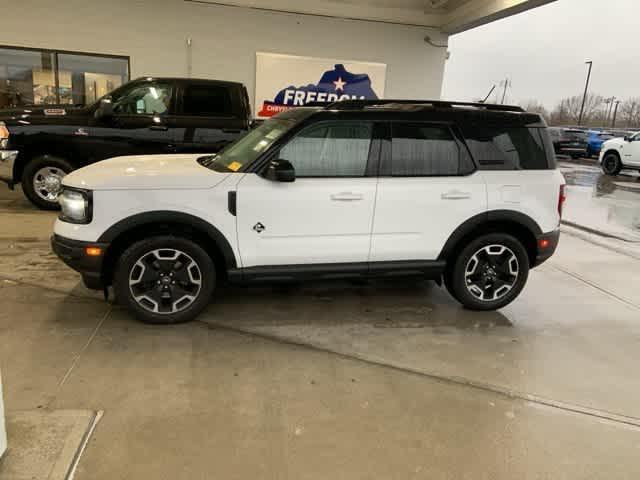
143, 122
325, 215
631, 152
427, 189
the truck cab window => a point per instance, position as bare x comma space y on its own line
143, 99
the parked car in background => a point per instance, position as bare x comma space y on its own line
39, 145
619, 153
568, 141
315, 193
595, 141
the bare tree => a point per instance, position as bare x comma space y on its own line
534, 106
629, 113
568, 111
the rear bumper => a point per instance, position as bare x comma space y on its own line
547, 243
7, 159
73, 253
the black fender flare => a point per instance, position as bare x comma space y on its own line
170, 216
484, 218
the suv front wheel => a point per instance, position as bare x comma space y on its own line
489, 273
165, 279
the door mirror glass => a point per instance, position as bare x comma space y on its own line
280, 171
105, 109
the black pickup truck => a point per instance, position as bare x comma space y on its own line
42, 143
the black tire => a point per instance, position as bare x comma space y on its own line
33, 167
458, 282
611, 164
150, 290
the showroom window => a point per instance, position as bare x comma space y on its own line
36, 77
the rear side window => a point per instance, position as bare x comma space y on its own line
420, 150
206, 101
509, 148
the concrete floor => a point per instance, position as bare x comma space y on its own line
383, 380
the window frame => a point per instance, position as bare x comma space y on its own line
373, 157
56, 52
386, 154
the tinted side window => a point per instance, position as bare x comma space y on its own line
507, 148
423, 150
206, 100
330, 150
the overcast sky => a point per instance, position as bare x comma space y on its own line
543, 51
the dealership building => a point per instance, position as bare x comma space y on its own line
75, 51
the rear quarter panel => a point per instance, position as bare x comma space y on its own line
534, 193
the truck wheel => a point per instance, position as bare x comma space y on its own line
611, 164
42, 180
164, 279
490, 272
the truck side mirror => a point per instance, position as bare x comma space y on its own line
105, 109
280, 171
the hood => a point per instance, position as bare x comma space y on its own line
613, 143
25, 115
145, 172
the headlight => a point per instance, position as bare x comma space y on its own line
4, 136
75, 205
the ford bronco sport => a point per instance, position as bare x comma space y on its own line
467, 194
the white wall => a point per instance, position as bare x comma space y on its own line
154, 32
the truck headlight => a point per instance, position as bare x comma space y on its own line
76, 205
4, 136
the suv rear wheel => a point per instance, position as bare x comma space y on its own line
490, 272
611, 164
165, 279
42, 180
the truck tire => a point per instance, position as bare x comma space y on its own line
490, 272
611, 164
164, 279
42, 180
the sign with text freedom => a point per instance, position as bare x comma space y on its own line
287, 81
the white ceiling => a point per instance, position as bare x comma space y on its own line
450, 16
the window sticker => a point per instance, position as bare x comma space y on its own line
234, 166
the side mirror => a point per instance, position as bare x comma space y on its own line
105, 109
627, 138
280, 171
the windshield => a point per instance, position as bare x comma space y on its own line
248, 148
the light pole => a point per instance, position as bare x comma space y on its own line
615, 114
586, 87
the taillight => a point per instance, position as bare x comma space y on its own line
561, 199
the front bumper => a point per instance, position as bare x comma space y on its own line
7, 159
74, 253
547, 243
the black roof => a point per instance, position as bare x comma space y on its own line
480, 114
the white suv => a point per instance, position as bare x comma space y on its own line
619, 153
465, 193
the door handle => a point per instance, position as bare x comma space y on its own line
455, 195
346, 197
160, 128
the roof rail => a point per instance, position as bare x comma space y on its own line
360, 104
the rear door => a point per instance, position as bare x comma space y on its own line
210, 115
428, 187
